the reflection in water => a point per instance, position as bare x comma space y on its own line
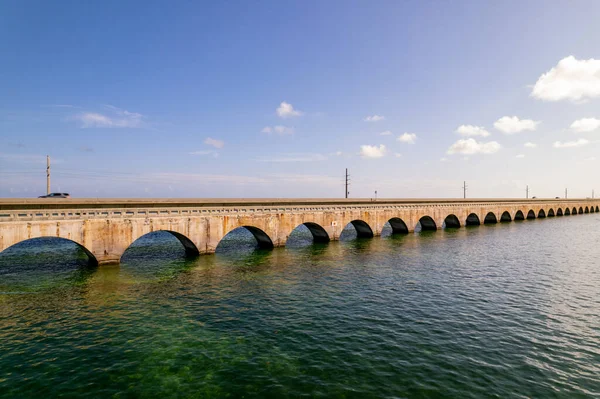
478, 312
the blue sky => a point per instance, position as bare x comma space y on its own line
181, 99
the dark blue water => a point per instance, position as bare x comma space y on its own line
508, 310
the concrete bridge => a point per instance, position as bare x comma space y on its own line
105, 228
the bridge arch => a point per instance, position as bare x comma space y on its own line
263, 241
559, 212
580, 210
318, 233
519, 215
541, 214
472, 220
505, 217
574, 211
92, 260
551, 213
451, 222
586, 210
567, 212
592, 209
362, 228
398, 226
597, 209
531, 214
427, 223
490, 218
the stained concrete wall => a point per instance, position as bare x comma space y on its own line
105, 233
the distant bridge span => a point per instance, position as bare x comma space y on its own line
105, 228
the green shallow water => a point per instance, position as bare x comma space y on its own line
509, 310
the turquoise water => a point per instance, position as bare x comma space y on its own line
507, 310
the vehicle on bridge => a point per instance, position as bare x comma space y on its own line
56, 195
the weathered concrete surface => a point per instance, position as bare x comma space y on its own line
106, 228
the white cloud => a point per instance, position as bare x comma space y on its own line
512, 124
286, 110
398, 155
386, 133
584, 125
214, 142
529, 145
572, 79
121, 119
409, 138
443, 159
205, 152
590, 159
293, 157
279, 129
470, 130
338, 153
374, 118
520, 156
570, 144
372, 151
470, 147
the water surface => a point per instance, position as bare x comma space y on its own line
508, 310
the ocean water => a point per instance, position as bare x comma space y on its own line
505, 310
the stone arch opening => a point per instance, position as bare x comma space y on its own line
308, 233
574, 211
586, 210
551, 213
541, 213
472, 220
580, 210
505, 217
519, 215
244, 238
426, 223
358, 227
531, 214
567, 212
559, 212
161, 243
398, 226
597, 209
55, 248
592, 209
490, 218
451, 222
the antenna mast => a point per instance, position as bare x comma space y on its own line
347, 180
47, 174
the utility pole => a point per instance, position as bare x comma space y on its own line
347, 180
592, 193
566, 196
464, 189
527, 192
47, 174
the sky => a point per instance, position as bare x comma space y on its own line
278, 98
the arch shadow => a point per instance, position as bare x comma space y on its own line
505, 217
451, 222
592, 210
580, 210
597, 209
567, 212
551, 213
472, 220
318, 233
190, 248
92, 261
238, 236
427, 224
531, 214
541, 214
362, 228
519, 215
490, 218
559, 212
586, 210
398, 226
